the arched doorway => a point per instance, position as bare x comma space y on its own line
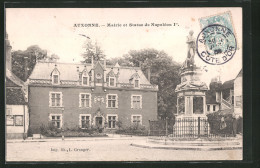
99, 119
99, 122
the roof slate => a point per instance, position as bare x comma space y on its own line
14, 78
15, 96
240, 74
10, 83
228, 84
68, 71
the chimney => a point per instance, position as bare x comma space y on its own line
92, 69
105, 66
25, 68
148, 72
8, 55
105, 63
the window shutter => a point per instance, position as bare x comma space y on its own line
80, 126
141, 120
107, 100
141, 101
90, 100
116, 101
80, 100
61, 119
132, 99
61, 99
49, 99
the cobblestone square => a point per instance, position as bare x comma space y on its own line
107, 150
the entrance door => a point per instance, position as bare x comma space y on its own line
99, 122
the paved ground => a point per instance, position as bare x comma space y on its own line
107, 150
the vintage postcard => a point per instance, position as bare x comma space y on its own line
123, 84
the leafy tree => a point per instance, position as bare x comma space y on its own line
33, 53
53, 58
121, 61
164, 73
92, 50
215, 86
36, 51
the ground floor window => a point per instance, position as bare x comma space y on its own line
238, 101
112, 121
56, 120
214, 107
208, 107
14, 120
137, 119
85, 121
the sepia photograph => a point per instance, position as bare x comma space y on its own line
123, 84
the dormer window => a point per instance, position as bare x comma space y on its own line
135, 80
136, 83
85, 78
55, 77
112, 81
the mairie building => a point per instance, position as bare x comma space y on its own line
71, 95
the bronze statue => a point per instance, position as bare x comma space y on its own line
189, 62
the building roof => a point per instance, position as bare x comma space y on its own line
240, 74
228, 84
16, 90
10, 83
211, 97
68, 71
15, 96
12, 77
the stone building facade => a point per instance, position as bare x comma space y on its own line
82, 95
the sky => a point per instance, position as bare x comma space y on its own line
54, 29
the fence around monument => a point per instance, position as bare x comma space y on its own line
184, 128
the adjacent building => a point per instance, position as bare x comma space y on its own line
16, 113
212, 104
71, 95
238, 92
227, 97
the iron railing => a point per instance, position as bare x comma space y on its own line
184, 128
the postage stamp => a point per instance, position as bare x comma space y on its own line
216, 44
224, 19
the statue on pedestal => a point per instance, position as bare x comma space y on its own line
189, 62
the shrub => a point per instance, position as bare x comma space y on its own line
134, 129
52, 131
214, 120
119, 124
49, 130
30, 132
240, 125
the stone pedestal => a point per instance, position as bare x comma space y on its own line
191, 94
